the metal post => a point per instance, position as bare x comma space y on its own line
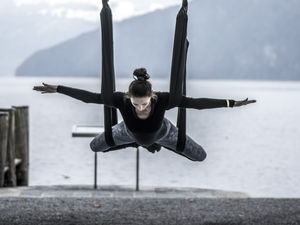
137, 168
95, 171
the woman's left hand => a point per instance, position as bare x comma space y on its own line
243, 102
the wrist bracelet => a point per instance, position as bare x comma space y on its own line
227, 102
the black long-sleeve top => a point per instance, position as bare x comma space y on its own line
146, 131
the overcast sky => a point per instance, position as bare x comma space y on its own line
89, 9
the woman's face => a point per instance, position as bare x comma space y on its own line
140, 103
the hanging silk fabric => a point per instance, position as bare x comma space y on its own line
178, 72
177, 81
108, 73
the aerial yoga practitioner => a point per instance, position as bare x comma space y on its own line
142, 108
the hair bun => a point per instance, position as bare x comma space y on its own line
141, 74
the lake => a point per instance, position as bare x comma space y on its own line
253, 149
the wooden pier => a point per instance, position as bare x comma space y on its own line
14, 146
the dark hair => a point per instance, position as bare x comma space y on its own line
140, 87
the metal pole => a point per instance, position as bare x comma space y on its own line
95, 171
137, 168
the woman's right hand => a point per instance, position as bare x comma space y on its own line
47, 88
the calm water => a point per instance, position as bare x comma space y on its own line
253, 149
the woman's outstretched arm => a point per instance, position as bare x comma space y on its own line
85, 96
209, 103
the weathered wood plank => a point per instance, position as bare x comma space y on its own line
22, 143
3, 144
16, 162
86, 130
11, 155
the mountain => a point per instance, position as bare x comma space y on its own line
249, 39
27, 28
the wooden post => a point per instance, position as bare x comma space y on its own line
11, 155
3, 144
22, 143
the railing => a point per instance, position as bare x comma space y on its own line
92, 131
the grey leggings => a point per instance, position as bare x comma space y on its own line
192, 150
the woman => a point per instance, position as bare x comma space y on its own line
143, 115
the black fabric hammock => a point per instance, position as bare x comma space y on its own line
177, 79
